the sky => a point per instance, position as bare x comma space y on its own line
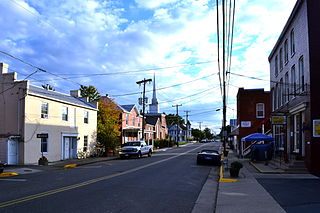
112, 44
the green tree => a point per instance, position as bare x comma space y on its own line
197, 134
109, 124
207, 133
91, 92
172, 119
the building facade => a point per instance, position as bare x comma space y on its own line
294, 74
253, 112
37, 122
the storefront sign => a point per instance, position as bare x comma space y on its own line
316, 128
42, 135
279, 120
245, 123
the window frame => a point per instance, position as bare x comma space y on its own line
46, 143
293, 81
276, 70
301, 75
286, 52
262, 106
292, 43
44, 115
86, 116
65, 117
85, 143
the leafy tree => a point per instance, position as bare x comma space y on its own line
109, 124
91, 92
207, 133
197, 134
172, 119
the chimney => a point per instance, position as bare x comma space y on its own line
75, 93
3, 68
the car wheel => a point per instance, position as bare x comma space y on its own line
149, 153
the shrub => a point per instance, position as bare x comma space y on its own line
236, 165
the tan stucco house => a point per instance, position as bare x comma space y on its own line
36, 122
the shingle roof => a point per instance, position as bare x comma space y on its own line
58, 96
128, 107
150, 120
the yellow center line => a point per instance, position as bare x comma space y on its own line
62, 189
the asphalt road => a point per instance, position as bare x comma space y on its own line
169, 181
295, 195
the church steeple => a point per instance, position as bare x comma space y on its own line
154, 107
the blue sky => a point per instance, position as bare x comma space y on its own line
78, 38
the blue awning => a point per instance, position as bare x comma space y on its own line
257, 137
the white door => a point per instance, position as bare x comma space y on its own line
66, 145
12, 152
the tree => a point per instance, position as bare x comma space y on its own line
207, 133
91, 92
109, 124
172, 119
197, 134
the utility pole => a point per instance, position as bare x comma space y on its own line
144, 81
200, 125
224, 110
187, 111
177, 115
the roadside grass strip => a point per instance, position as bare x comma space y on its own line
70, 166
8, 174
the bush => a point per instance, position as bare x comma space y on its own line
236, 165
163, 143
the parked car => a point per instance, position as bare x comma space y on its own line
207, 156
135, 148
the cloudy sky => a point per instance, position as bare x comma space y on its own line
112, 44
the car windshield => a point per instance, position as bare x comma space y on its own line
209, 152
132, 144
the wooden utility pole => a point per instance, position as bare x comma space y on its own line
187, 112
177, 115
144, 81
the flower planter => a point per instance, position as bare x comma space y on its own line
234, 172
43, 161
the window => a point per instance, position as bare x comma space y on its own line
44, 145
301, 75
85, 143
276, 97
86, 117
133, 121
276, 66
44, 110
286, 87
281, 93
260, 110
293, 49
281, 59
64, 113
293, 81
286, 51
138, 122
127, 119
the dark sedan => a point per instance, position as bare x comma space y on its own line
209, 157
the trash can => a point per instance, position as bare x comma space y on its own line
261, 152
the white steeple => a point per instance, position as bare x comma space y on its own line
154, 107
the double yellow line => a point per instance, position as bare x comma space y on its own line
66, 188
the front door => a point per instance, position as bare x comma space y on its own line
12, 152
69, 147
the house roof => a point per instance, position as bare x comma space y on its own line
151, 120
128, 107
39, 91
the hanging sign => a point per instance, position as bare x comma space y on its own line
245, 123
316, 128
278, 120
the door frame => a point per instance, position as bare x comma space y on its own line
62, 143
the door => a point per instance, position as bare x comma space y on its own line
66, 145
12, 152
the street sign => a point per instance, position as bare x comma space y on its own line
43, 135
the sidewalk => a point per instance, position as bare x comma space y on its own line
246, 194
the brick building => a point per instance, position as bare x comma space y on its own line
294, 74
253, 113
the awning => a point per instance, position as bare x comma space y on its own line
257, 137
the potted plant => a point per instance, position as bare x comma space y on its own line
43, 161
1, 167
235, 168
